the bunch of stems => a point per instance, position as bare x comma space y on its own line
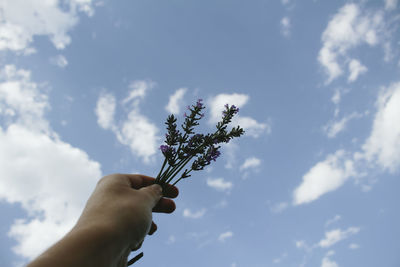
180, 149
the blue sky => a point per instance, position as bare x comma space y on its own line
85, 88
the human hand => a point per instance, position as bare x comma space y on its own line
122, 204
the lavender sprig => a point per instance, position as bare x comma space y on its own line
181, 147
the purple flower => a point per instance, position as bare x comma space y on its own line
226, 106
235, 109
212, 154
164, 148
199, 103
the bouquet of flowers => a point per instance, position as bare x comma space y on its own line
181, 147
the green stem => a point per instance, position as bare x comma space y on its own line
162, 168
169, 172
176, 172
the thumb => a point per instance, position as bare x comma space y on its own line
154, 191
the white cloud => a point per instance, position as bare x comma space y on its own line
22, 20
383, 144
335, 127
140, 135
175, 101
136, 131
336, 97
324, 177
285, 26
355, 69
348, 28
59, 61
354, 246
21, 101
390, 4
229, 151
139, 89
187, 213
251, 162
333, 220
279, 207
301, 244
250, 125
223, 236
105, 110
219, 184
217, 103
326, 262
54, 194
334, 236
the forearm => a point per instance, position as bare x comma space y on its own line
84, 246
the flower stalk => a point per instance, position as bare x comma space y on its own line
181, 147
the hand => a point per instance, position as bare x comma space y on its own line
115, 221
124, 203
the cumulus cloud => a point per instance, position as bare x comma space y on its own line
285, 26
349, 28
224, 236
326, 262
187, 213
219, 184
105, 110
335, 127
21, 101
175, 101
355, 69
326, 176
140, 135
52, 195
250, 125
22, 20
136, 130
251, 162
381, 148
59, 60
334, 236
383, 144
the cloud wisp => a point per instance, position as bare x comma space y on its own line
136, 130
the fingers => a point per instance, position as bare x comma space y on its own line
138, 181
165, 205
153, 228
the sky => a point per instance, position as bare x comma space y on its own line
86, 86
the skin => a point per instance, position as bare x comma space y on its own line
115, 221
